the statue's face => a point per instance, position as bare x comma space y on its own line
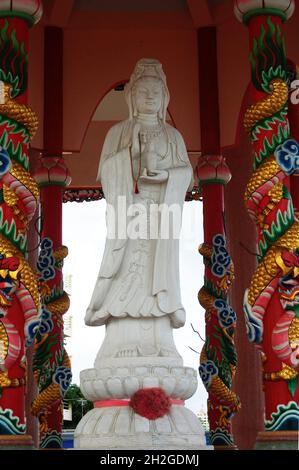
148, 95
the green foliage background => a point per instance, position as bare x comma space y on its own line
79, 408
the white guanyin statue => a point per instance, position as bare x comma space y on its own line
144, 172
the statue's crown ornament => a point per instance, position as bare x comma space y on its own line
245, 9
31, 10
148, 68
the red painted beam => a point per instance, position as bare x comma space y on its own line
208, 90
200, 12
53, 96
59, 12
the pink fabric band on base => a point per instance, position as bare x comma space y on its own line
109, 403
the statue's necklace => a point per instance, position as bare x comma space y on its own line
151, 134
135, 180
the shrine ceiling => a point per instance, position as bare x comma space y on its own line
130, 5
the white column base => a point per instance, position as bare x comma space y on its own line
120, 428
138, 354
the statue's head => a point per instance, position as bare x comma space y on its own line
147, 90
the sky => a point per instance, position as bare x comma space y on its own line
84, 233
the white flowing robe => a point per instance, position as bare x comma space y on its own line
140, 277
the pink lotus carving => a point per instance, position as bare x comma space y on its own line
52, 170
213, 169
33, 8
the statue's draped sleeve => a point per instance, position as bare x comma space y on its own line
180, 151
116, 180
166, 271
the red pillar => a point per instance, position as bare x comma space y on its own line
32, 424
19, 295
52, 176
272, 299
241, 233
218, 357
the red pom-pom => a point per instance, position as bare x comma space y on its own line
151, 403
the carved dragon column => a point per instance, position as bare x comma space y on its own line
293, 115
19, 295
271, 302
51, 363
218, 358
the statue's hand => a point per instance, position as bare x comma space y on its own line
160, 177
